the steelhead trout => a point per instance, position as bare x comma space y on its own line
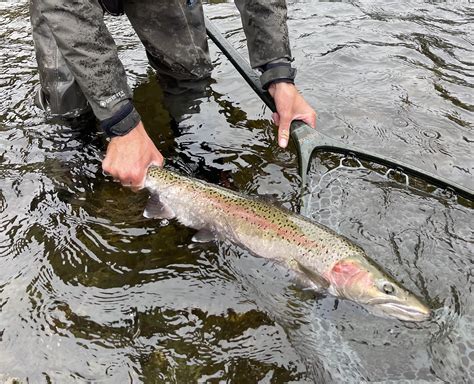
318, 257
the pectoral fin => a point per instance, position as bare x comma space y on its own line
204, 235
315, 277
155, 209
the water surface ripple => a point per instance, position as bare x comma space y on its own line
90, 291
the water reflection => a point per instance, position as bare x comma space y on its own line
92, 291
426, 244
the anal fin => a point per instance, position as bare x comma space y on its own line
155, 209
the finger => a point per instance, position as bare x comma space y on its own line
276, 118
133, 183
105, 166
310, 119
109, 172
129, 178
137, 179
158, 160
156, 163
139, 184
284, 130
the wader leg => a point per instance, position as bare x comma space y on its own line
59, 91
174, 36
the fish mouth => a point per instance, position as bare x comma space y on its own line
403, 311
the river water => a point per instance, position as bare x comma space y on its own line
90, 291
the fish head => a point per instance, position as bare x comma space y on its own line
358, 279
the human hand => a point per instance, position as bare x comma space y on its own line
128, 157
290, 105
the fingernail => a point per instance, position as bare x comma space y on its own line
283, 142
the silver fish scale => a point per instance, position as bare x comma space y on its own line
286, 237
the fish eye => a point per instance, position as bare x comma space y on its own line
388, 289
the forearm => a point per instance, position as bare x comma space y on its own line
91, 56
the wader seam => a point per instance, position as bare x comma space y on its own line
189, 31
56, 82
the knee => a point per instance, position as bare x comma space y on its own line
182, 67
64, 100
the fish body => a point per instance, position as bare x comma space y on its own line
317, 256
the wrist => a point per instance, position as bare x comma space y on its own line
277, 73
122, 122
274, 87
134, 132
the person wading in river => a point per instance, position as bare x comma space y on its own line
80, 70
